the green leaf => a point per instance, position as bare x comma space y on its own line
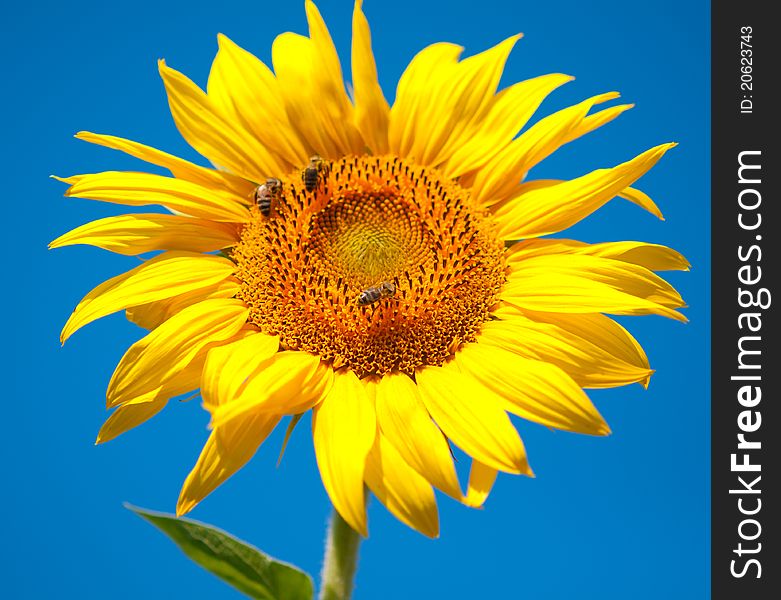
243, 566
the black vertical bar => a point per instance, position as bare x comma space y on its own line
746, 548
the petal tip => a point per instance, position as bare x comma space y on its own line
664, 148
524, 468
363, 529
184, 506
68, 180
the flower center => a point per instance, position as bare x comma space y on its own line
384, 266
368, 239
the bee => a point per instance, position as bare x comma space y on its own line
267, 192
311, 174
370, 295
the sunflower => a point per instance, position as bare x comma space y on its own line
382, 266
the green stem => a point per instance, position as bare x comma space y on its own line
340, 561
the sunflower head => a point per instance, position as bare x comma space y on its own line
386, 267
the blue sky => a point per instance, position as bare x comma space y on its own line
616, 517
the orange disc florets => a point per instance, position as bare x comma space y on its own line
384, 266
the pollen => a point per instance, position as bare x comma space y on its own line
371, 223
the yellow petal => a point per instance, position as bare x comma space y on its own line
293, 57
532, 389
164, 276
185, 379
473, 418
325, 52
180, 168
144, 189
289, 382
403, 491
407, 425
601, 330
245, 90
135, 234
642, 200
460, 97
633, 195
228, 366
294, 420
152, 314
590, 364
498, 178
589, 284
224, 453
128, 416
371, 109
481, 480
595, 121
166, 351
413, 94
651, 256
312, 87
550, 133
554, 208
344, 428
508, 113
224, 142
621, 275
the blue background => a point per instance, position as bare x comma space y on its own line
620, 517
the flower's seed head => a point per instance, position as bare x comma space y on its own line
379, 224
